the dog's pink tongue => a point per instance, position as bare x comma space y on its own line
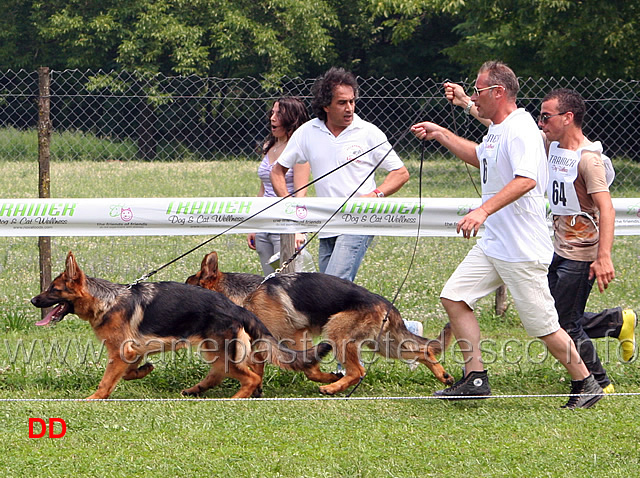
50, 315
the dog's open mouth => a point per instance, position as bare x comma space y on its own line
56, 314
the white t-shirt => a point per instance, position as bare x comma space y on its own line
518, 232
315, 144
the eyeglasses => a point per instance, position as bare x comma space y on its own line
477, 91
544, 117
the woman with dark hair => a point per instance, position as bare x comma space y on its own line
286, 115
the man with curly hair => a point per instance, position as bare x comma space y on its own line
337, 135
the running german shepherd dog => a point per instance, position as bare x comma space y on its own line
134, 321
298, 306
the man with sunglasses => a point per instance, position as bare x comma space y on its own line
515, 248
583, 222
583, 218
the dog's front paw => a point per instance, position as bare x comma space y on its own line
191, 392
257, 393
96, 396
327, 390
448, 379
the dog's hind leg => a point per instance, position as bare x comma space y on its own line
399, 343
258, 359
213, 378
303, 341
347, 354
314, 374
249, 380
239, 367
420, 349
134, 372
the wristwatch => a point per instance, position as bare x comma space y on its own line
379, 193
467, 109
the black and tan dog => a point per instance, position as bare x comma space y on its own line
138, 320
299, 306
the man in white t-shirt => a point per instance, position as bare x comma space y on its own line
515, 248
335, 137
583, 220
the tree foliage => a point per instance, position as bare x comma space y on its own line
275, 38
537, 37
205, 37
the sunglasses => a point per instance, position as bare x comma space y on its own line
477, 91
544, 117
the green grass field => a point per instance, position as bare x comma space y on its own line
519, 432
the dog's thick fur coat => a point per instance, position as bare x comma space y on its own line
299, 306
145, 318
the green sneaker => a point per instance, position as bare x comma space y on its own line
627, 335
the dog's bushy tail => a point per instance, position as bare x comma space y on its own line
279, 354
297, 360
439, 345
443, 340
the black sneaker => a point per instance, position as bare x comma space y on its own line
584, 393
475, 385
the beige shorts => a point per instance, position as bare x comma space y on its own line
479, 275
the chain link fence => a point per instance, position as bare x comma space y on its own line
120, 116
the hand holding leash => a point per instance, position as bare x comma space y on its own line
455, 94
427, 130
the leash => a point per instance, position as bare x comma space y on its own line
315, 234
193, 249
455, 131
406, 276
148, 275
422, 153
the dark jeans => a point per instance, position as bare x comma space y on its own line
570, 286
607, 323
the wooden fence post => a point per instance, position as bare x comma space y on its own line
44, 175
501, 300
287, 248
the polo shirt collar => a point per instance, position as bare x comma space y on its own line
355, 124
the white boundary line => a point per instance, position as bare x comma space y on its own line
300, 399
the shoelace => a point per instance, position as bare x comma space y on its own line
576, 390
456, 385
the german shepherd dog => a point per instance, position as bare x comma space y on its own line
134, 321
298, 306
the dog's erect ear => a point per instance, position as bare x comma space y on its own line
210, 265
72, 270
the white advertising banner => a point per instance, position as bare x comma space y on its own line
210, 216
